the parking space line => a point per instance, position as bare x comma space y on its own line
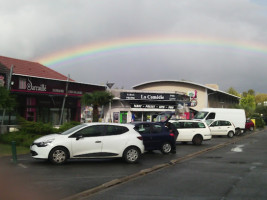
23, 166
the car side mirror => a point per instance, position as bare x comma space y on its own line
79, 137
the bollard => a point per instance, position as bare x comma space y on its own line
14, 151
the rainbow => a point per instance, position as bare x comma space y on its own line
85, 51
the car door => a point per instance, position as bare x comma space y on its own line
215, 128
186, 131
88, 141
226, 126
114, 141
144, 130
158, 135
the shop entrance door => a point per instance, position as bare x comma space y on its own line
123, 117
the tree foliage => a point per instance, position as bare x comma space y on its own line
260, 98
96, 99
232, 91
249, 104
249, 92
7, 101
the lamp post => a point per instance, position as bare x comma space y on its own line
109, 85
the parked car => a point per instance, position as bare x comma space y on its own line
249, 125
236, 116
157, 136
192, 131
90, 140
222, 127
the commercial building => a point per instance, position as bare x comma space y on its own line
148, 99
42, 94
201, 96
137, 105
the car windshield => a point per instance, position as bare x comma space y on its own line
200, 115
71, 130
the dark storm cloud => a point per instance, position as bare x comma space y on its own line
32, 28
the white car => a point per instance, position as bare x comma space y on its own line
192, 131
222, 127
90, 140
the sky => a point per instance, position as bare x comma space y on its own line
130, 42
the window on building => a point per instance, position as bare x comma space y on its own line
22, 83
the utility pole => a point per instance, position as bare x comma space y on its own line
63, 104
8, 88
110, 86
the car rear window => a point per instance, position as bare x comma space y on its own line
116, 130
201, 125
156, 128
142, 128
189, 125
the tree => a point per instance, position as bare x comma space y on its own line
260, 98
249, 104
232, 91
249, 92
97, 98
7, 101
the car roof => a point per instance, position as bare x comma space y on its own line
108, 123
184, 120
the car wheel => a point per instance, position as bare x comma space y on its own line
197, 140
251, 128
58, 155
131, 154
230, 134
166, 148
237, 132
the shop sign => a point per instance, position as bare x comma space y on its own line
151, 106
30, 86
47, 86
153, 96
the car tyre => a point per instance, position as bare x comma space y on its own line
131, 154
58, 155
197, 140
251, 128
230, 134
238, 132
166, 148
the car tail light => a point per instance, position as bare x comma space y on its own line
140, 137
171, 134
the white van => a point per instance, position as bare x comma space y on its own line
236, 116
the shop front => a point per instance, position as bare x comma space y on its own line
135, 106
48, 100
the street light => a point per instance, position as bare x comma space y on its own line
109, 86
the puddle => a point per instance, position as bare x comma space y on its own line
238, 148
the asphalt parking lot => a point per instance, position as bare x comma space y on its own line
79, 178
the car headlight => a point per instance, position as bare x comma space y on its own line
44, 143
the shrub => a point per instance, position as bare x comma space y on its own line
67, 126
21, 138
35, 127
258, 120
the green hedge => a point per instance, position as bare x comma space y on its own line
29, 131
21, 138
38, 128
67, 126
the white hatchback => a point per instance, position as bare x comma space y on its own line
90, 140
192, 131
222, 127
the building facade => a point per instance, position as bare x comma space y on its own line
42, 94
201, 96
137, 105
146, 100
